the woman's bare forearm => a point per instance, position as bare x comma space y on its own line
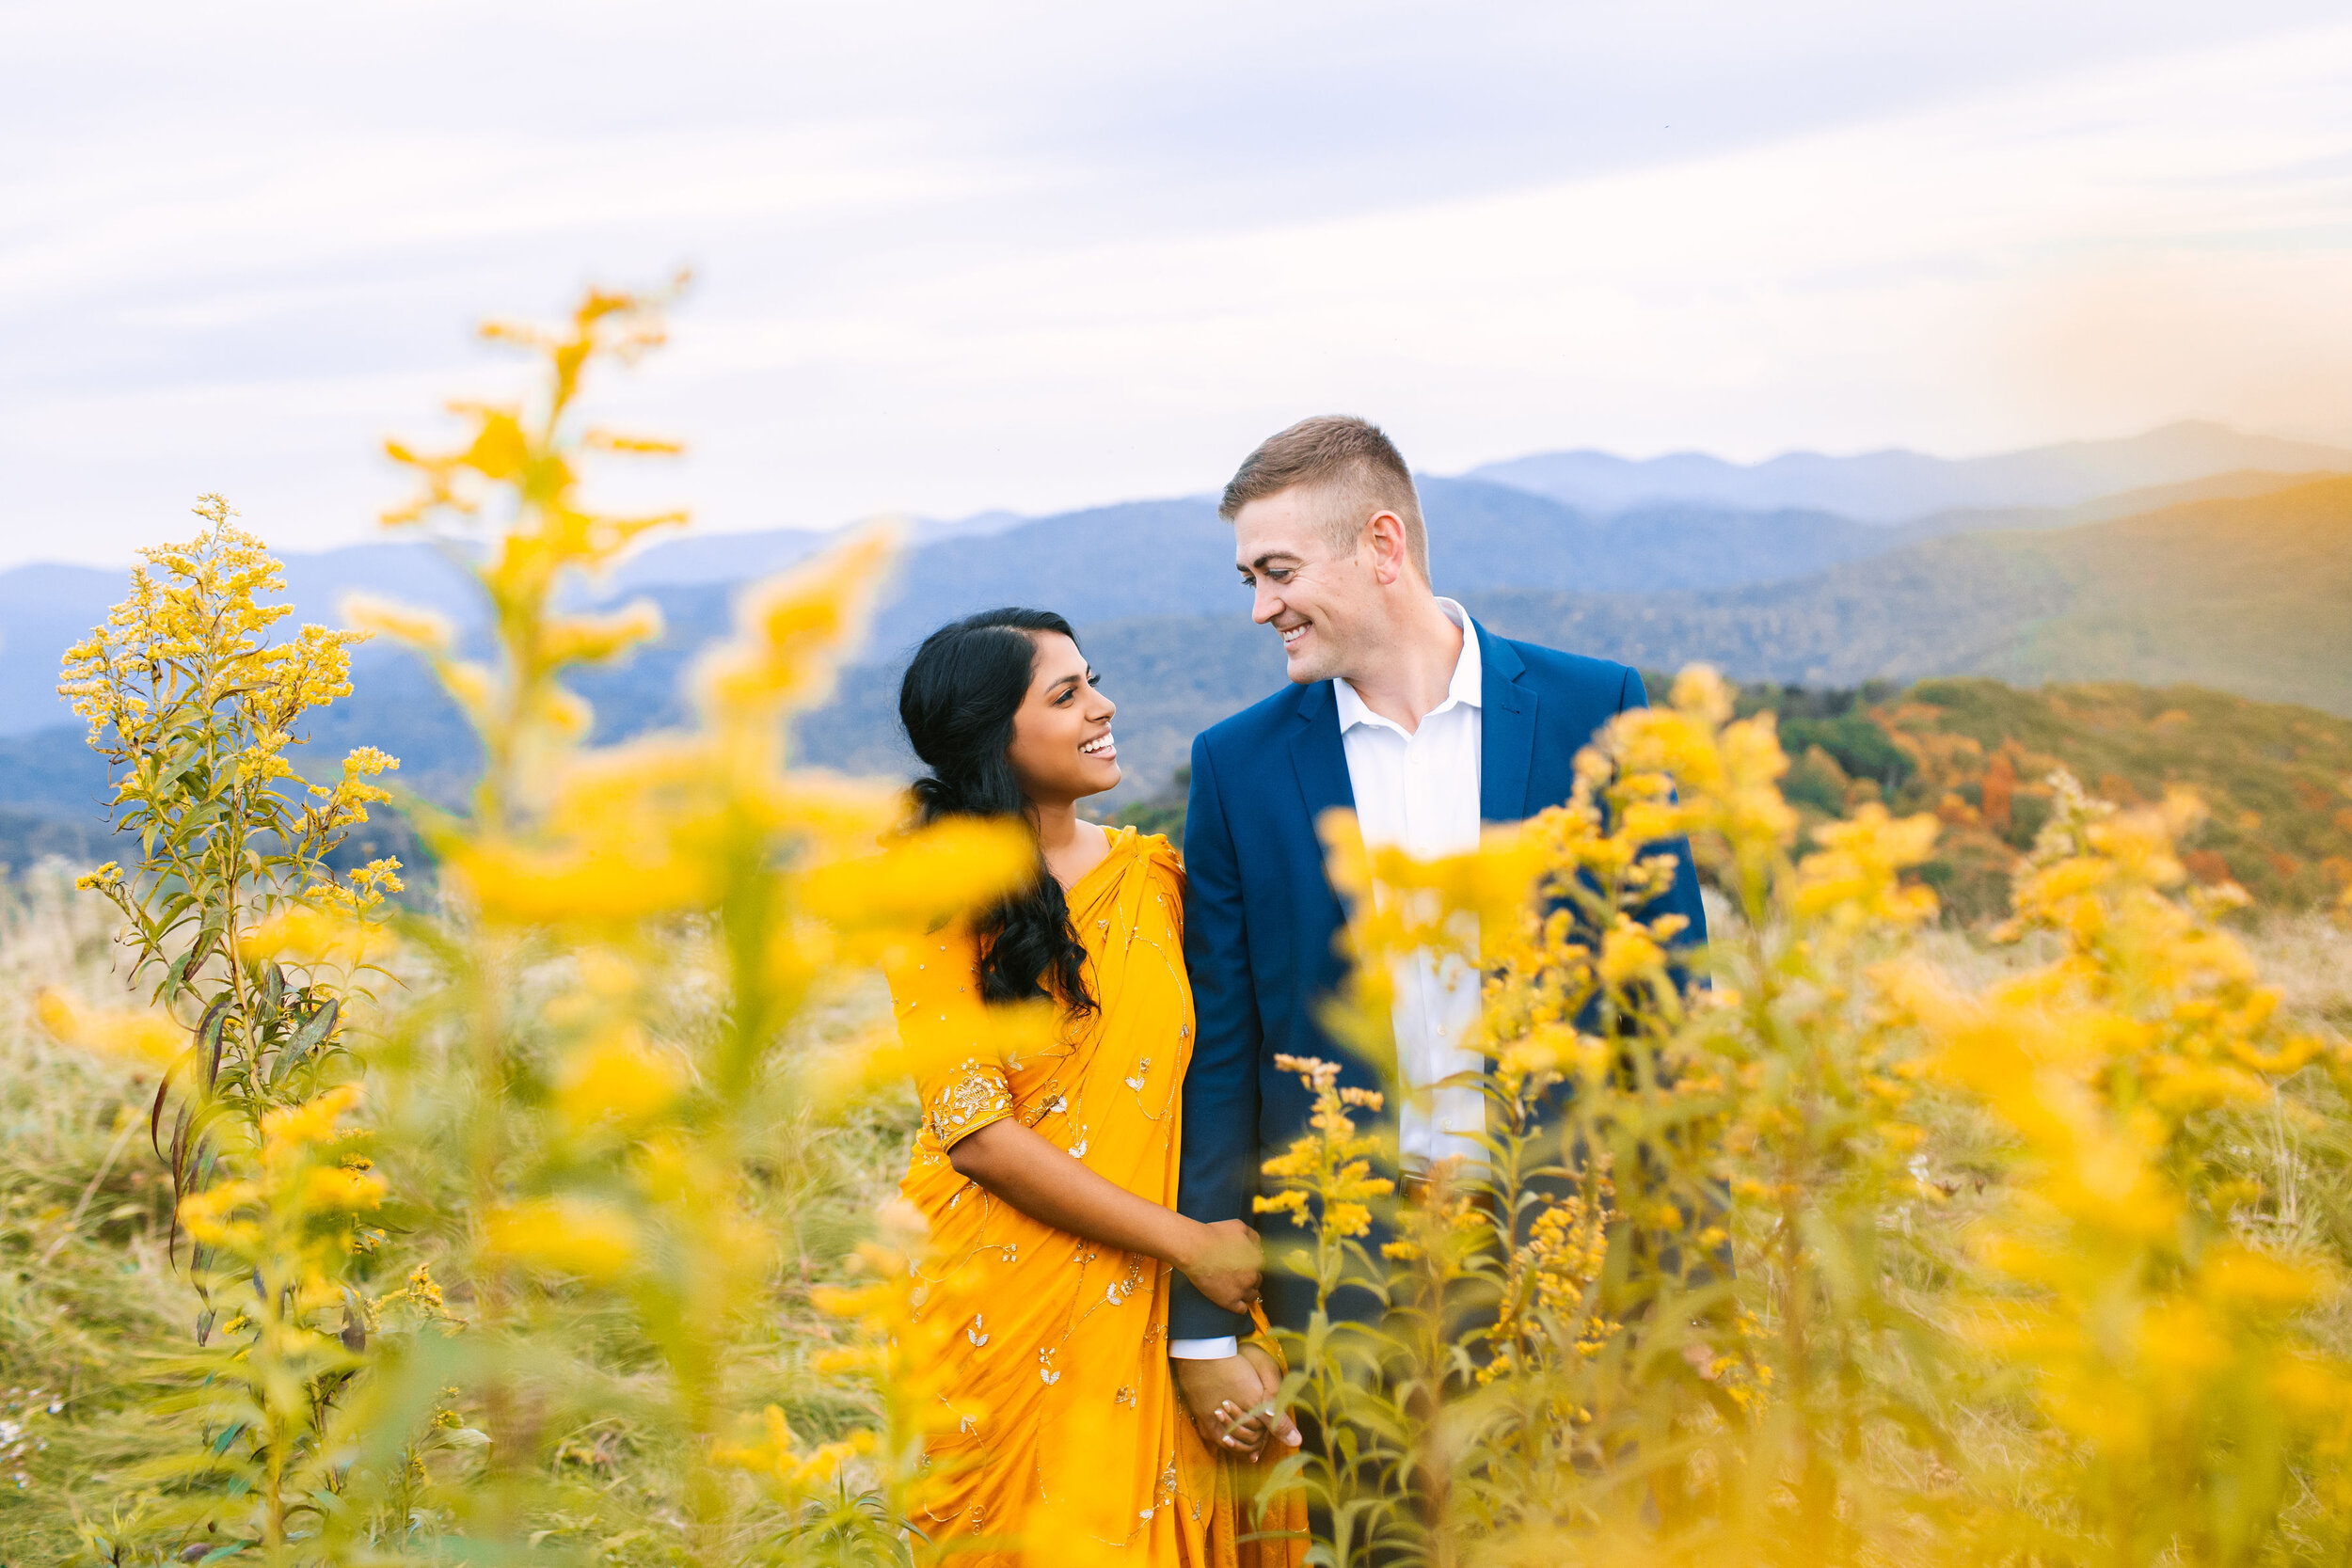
1016, 1164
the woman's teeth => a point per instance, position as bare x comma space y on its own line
1100, 744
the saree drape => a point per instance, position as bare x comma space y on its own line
1069, 1443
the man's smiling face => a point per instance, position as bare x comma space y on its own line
1322, 601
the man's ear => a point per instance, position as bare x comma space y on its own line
1385, 534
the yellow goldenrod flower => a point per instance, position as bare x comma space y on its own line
566, 1235
343, 1187
616, 1078
143, 1039
427, 630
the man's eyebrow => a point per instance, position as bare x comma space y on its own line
1260, 564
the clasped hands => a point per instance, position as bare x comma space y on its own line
1232, 1398
1232, 1402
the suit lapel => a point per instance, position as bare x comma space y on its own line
1507, 751
1318, 756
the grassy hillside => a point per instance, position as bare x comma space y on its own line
2250, 594
2234, 484
2253, 595
2276, 780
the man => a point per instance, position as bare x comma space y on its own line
1424, 723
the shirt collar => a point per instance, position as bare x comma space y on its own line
1466, 690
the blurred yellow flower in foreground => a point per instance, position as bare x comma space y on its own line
211, 1217
290, 1131
140, 1038
323, 933
924, 876
344, 1187
569, 1235
777, 1456
616, 1079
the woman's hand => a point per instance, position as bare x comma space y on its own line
1219, 1394
1224, 1263
1248, 1429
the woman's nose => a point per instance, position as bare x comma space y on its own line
1108, 709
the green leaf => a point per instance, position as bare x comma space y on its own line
199, 1122
208, 1035
273, 992
314, 1029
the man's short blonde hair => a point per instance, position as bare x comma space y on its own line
1352, 463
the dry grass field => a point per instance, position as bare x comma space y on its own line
90, 1298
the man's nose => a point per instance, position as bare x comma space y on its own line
1266, 607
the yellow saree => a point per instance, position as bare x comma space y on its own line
1072, 1446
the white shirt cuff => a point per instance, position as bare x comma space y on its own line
1204, 1349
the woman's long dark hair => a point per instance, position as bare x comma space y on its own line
957, 702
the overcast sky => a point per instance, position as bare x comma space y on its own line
956, 257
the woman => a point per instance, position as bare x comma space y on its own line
1047, 1179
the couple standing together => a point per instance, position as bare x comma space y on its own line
1089, 1204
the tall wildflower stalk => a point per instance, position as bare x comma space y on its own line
249, 946
601, 1089
503, 1277
2167, 1342
1791, 1265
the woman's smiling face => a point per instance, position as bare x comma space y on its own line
1061, 747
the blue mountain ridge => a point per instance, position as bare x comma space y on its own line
1900, 485
1150, 583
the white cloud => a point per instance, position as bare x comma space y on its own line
1052, 255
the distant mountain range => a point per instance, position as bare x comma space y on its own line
1898, 485
2252, 595
2246, 595
2233, 579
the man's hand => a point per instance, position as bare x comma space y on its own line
1223, 1265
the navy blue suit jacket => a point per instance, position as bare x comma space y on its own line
1262, 922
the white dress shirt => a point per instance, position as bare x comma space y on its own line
1418, 793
